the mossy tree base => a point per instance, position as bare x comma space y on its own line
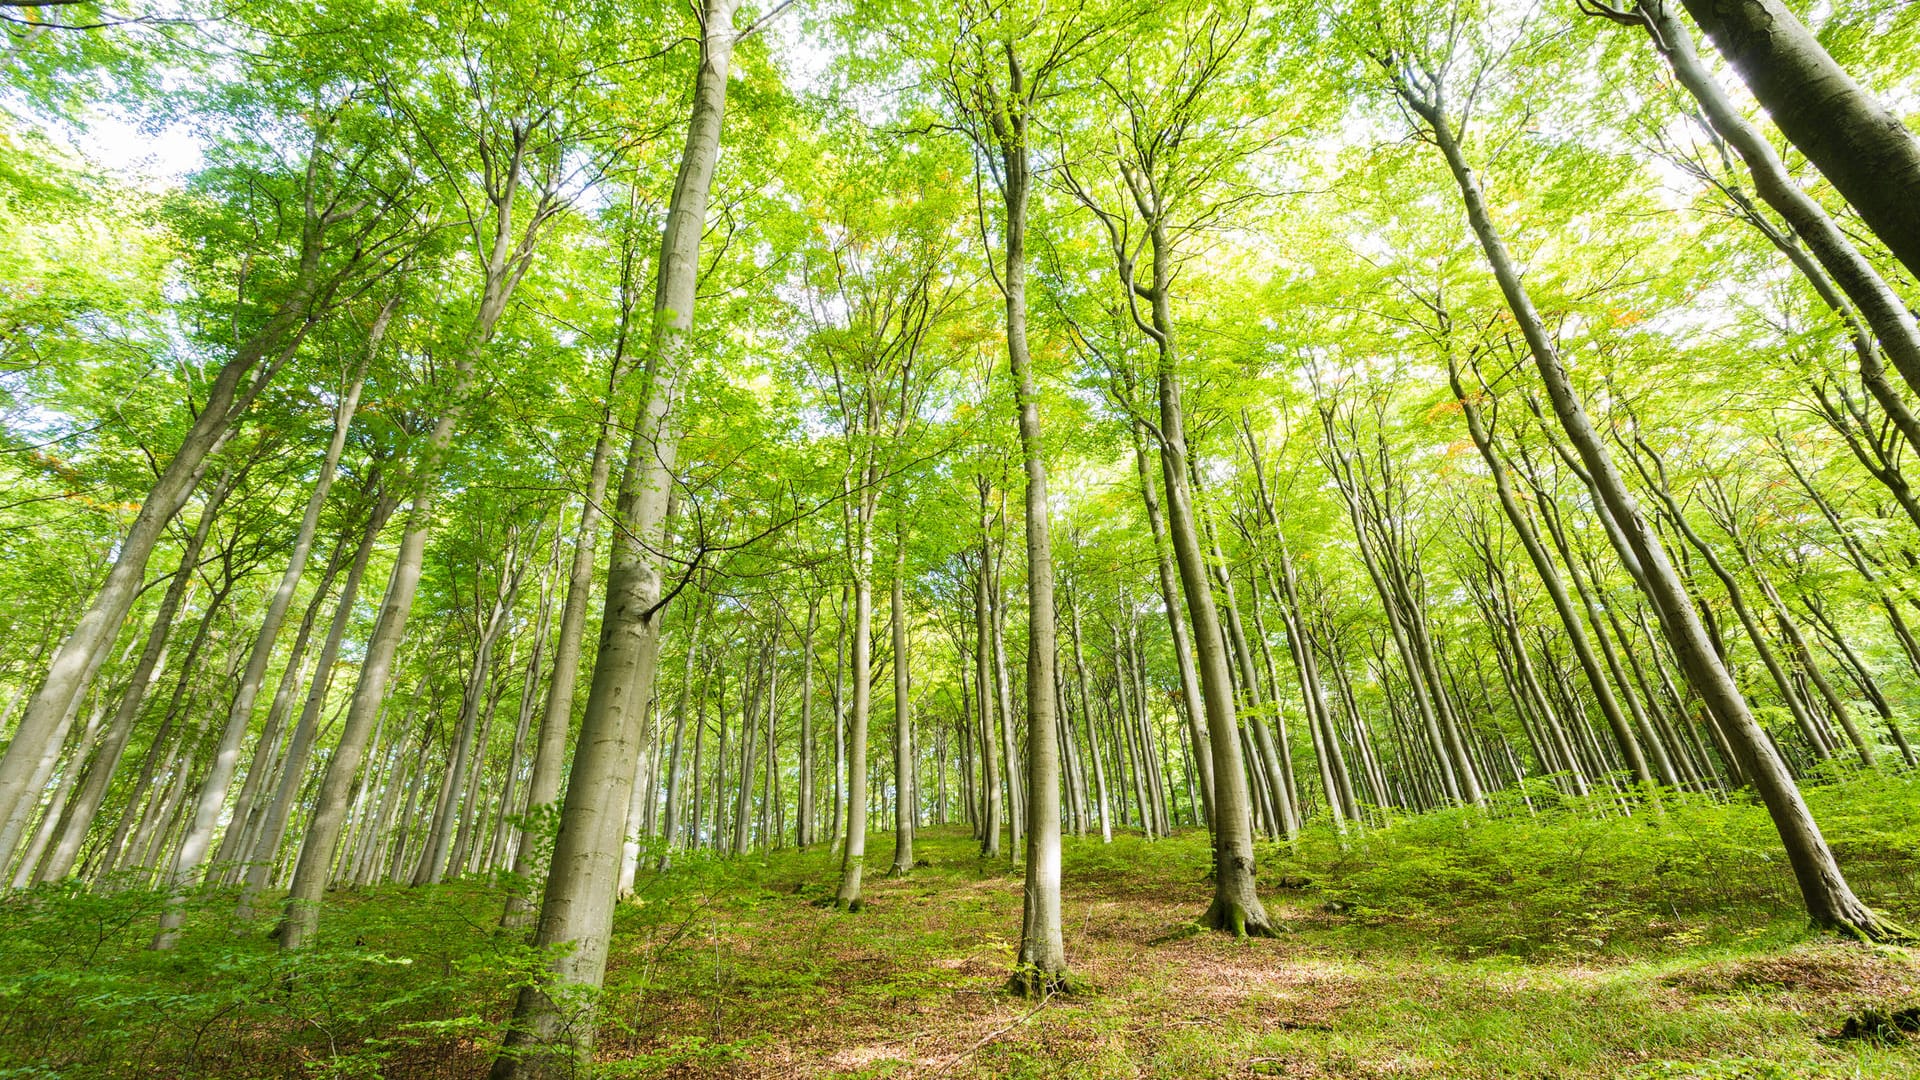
1869, 928
1239, 920
1035, 984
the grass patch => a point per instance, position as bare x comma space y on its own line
1446, 945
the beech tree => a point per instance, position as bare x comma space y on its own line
994, 432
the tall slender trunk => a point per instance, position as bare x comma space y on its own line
545, 1039
803, 817
226, 754
556, 715
1170, 602
470, 741
78, 658
250, 807
1830, 902
54, 817
266, 846
903, 750
990, 759
523, 723
1549, 575
1236, 905
1874, 300
86, 804
1043, 959
853, 856
1010, 755
1093, 741
301, 914
1856, 142
676, 784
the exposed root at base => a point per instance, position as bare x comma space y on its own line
1871, 930
1034, 984
1234, 919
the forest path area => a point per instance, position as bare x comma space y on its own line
1566, 976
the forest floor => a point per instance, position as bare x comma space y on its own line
914, 985
1459, 944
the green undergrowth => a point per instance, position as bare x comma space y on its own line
1570, 944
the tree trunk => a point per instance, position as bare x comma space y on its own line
1170, 601
226, 754
146, 671
853, 856
79, 656
903, 750
1856, 142
301, 915
556, 715
544, 1039
676, 796
273, 825
803, 817
1830, 903
983, 681
1550, 578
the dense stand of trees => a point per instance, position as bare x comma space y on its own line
554, 440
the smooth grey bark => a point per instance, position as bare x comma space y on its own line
1176, 626
1003, 691
1549, 575
163, 751
752, 692
300, 915
839, 719
860, 660
1830, 902
505, 247
1236, 905
1857, 143
231, 393
93, 790
1869, 293
1042, 959
1093, 738
265, 849
249, 807
464, 754
556, 715
990, 760
53, 818
553, 1024
676, 782
529, 687
803, 818
1736, 597
904, 795
212, 796
1279, 790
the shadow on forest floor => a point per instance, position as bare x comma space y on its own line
1571, 945
1447, 987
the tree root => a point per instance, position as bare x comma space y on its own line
1030, 982
1871, 930
1236, 920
